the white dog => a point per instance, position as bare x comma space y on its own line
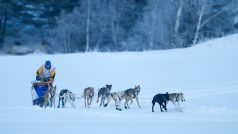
66, 96
117, 97
176, 97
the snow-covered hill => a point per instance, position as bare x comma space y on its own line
206, 73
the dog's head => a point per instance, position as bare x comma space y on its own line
166, 95
52, 91
181, 97
91, 91
137, 89
109, 87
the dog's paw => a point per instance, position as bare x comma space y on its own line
119, 109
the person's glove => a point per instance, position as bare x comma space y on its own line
38, 78
47, 79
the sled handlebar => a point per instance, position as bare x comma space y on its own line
41, 83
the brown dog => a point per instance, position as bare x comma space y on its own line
88, 96
130, 94
49, 96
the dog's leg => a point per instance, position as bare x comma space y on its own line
59, 102
44, 100
98, 98
179, 107
102, 100
119, 102
153, 104
174, 104
116, 103
85, 98
91, 99
88, 101
50, 101
108, 100
46, 96
138, 102
126, 103
63, 102
165, 106
54, 101
160, 105
131, 100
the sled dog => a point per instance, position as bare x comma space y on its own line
49, 96
104, 93
117, 97
88, 96
162, 99
176, 97
130, 94
66, 96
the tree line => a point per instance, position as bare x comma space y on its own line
111, 25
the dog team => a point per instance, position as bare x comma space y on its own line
45, 93
105, 95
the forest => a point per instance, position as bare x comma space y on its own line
71, 26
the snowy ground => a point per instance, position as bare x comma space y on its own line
206, 73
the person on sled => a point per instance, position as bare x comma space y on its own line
44, 78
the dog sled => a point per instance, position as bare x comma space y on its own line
43, 94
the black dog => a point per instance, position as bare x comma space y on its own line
162, 99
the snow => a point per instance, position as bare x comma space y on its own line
206, 73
